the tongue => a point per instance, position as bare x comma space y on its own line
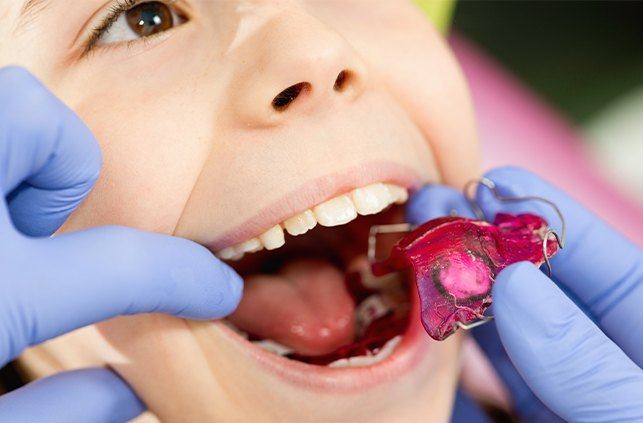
305, 307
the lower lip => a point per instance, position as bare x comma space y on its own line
415, 345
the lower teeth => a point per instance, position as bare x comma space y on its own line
369, 360
370, 309
387, 300
273, 347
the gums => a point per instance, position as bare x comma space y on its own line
454, 261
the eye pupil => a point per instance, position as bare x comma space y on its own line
150, 18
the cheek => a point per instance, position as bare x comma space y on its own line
409, 58
152, 155
430, 85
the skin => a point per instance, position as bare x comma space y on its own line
192, 147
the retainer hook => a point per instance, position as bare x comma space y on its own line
491, 186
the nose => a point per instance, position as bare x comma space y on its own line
295, 66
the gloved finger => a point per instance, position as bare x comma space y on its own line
577, 371
599, 266
85, 277
88, 395
527, 405
433, 201
465, 410
49, 159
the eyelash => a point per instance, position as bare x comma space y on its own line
115, 11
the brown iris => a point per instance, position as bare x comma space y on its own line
150, 18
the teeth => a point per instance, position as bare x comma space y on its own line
250, 246
230, 253
342, 362
370, 309
336, 211
300, 223
379, 282
368, 360
273, 347
273, 238
342, 209
388, 348
357, 361
372, 199
399, 194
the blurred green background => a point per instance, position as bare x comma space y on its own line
579, 55
585, 58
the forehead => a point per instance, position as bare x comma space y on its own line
9, 8
18, 15
11, 11
27, 8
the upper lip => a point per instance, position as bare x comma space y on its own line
313, 192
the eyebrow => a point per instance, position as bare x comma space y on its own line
30, 9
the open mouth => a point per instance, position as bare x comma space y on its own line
310, 296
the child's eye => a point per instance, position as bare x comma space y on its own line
130, 23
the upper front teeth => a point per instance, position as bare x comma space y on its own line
342, 209
300, 223
336, 211
273, 238
374, 198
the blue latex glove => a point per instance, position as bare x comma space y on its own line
575, 342
49, 161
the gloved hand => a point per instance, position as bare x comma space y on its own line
576, 342
49, 161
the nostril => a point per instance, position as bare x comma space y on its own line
342, 80
287, 96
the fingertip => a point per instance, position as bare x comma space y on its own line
532, 313
522, 295
557, 349
230, 285
416, 208
52, 150
435, 200
99, 395
235, 283
14, 75
215, 289
512, 181
144, 272
515, 280
109, 387
508, 174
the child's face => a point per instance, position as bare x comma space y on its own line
194, 146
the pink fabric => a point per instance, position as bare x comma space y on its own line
516, 127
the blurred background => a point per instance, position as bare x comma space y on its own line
584, 59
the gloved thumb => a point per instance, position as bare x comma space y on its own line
567, 361
80, 278
49, 159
